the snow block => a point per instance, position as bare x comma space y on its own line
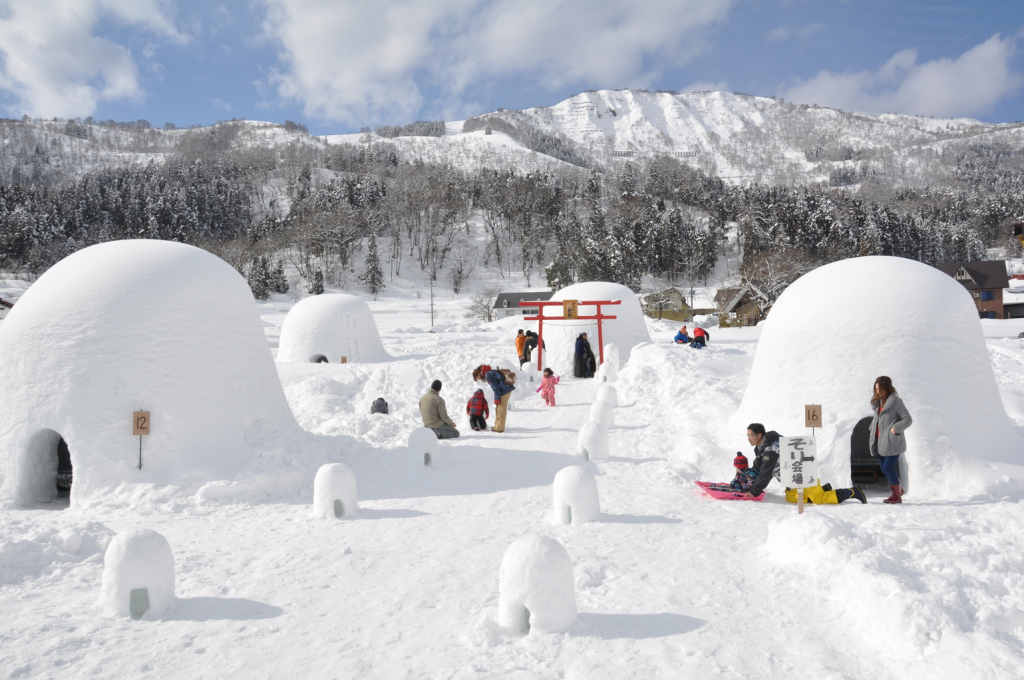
607, 373
138, 575
536, 587
334, 492
575, 496
529, 374
423, 443
138, 325
592, 442
611, 355
608, 393
626, 331
602, 413
841, 326
325, 328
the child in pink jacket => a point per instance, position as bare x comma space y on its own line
547, 387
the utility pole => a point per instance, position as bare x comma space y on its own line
431, 302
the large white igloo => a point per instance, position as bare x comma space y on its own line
626, 331
836, 329
128, 326
326, 328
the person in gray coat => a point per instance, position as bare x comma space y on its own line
435, 414
891, 418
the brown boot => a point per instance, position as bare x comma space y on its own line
896, 493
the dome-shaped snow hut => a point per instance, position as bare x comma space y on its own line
536, 586
325, 328
836, 329
423, 444
133, 326
334, 492
592, 442
138, 575
575, 496
627, 330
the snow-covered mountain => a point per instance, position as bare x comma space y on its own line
741, 138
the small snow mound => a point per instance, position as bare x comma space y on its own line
607, 373
592, 442
536, 587
334, 492
611, 355
423, 443
138, 575
325, 328
602, 413
528, 374
575, 496
607, 393
70, 540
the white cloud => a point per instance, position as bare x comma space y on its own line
52, 64
359, 62
783, 34
971, 84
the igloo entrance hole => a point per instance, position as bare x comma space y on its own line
318, 359
863, 466
567, 514
45, 471
339, 508
138, 602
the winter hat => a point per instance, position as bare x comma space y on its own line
485, 369
436, 385
740, 462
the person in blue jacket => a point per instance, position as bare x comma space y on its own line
501, 382
682, 337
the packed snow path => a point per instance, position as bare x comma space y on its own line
669, 583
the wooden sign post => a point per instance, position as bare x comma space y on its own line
570, 309
798, 466
140, 426
812, 416
344, 360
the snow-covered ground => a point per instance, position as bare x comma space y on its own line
669, 583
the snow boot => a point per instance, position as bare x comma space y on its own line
859, 495
895, 497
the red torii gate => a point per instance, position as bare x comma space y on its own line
541, 318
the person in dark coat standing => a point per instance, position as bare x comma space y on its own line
890, 419
583, 364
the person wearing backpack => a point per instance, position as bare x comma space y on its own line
502, 382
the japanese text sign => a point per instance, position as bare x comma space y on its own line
797, 462
570, 309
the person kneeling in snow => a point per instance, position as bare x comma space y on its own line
766, 464
700, 337
682, 337
435, 414
478, 411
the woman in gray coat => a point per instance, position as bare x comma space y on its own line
891, 418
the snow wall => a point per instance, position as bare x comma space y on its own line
838, 328
626, 331
129, 326
331, 326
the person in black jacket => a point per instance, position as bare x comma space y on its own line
766, 457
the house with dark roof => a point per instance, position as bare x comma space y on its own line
5, 306
747, 304
985, 281
507, 304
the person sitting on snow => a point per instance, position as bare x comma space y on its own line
435, 414
766, 464
682, 337
700, 337
745, 476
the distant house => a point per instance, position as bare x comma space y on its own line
5, 306
985, 281
745, 305
1013, 298
667, 304
507, 304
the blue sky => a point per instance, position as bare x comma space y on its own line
337, 65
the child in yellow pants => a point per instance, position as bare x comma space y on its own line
817, 495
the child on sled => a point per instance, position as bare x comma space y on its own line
745, 476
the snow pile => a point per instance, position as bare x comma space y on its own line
536, 586
607, 393
329, 327
334, 492
838, 328
423, 442
607, 373
135, 326
592, 442
602, 413
626, 331
138, 575
575, 496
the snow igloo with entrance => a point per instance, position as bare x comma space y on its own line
131, 326
627, 330
838, 328
325, 328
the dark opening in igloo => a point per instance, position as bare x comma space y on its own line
64, 470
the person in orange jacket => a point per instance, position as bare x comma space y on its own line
521, 347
